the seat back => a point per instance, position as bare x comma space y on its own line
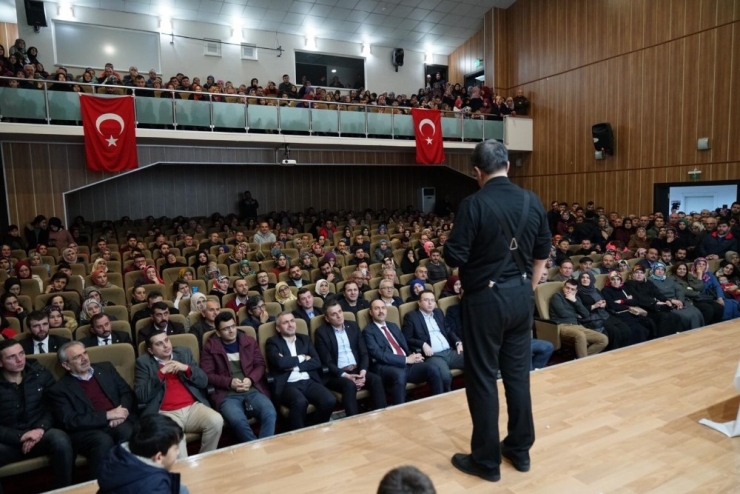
40, 302
114, 294
120, 312
542, 295
405, 309
63, 332
121, 355
51, 362
187, 340
267, 330
364, 318
447, 302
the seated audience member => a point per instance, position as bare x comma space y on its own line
385, 293
263, 283
144, 463
139, 263
26, 422
409, 262
568, 312
563, 252
40, 341
599, 318
360, 256
417, 287
93, 404
436, 268
295, 365
57, 319
283, 294
565, 272
406, 480
11, 307
624, 307
639, 240
57, 283
650, 260
168, 381
608, 264
585, 266
295, 277
382, 251
220, 287
360, 243
242, 295
425, 329
257, 314
342, 349
361, 277
160, 322
322, 290
306, 310
101, 333
647, 296
587, 248
207, 320
152, 298
393, 361
236, 369
351, 301
452, 288
138, 296
712, 288
676, 295
693, 287
328, 272
717, 244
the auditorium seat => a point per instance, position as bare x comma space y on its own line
447, 302
546, 330
114, 294
63, 332
40, 302
120, 325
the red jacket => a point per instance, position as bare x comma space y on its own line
215, 363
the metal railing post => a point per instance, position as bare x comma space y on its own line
46, 105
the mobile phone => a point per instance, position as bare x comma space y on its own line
195, 289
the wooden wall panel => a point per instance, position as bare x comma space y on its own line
499, 58
462, 60
202, 190
8, 35
193, 181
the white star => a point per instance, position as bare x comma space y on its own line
429, 141
112, 141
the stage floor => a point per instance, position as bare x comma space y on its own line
625, 421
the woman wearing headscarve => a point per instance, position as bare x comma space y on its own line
211, 272
281, 265
34, 259
648, 297
197, 304
187, 274
13, 285
94, 293
220, 287
417, 286
23, 271
201, 259
149, 276
452, 288
726, 268
675, 293
624, 232
283, 293
99, 279
322, 289
712, 288
57, 319
244, 269
90, 307
424, 251
599, 319
734, 258
100, 263
639, 240
624, 307
382, 230
693, 286
170, 261
409, 262
382, 250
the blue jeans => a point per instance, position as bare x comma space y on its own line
541, 353
234, 411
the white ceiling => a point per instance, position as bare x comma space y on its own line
430, 26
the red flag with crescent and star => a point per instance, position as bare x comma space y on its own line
110, 132
428, 130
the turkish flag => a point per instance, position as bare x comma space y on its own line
110, 132
428, 130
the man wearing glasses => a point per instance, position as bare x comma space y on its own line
385, 293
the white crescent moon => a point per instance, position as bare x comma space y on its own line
109, 116
424, 122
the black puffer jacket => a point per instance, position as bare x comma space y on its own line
22, 407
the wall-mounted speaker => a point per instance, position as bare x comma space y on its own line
397, 57
35, 14
603, 138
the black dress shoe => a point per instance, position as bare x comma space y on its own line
465, 464
521, 465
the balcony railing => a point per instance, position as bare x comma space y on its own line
166, 109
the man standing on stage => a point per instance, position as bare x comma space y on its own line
500, 242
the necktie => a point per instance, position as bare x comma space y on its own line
41, 348
396, 347
107, 341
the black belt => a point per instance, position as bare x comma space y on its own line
510, 282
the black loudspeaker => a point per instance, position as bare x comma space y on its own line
35, 14
398, 57
603, 138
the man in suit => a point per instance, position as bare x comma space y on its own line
393, 361
306, 310
263, 283
295, 277
236, 368
93, 404
295, 364
40, 341
385, 293
351, 300
151, 299
26, 425
168, 381
342, 349
103, 334
426, 330
161, 322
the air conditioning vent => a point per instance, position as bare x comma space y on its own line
249, 51
212, 47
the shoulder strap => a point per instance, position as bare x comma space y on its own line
511, 240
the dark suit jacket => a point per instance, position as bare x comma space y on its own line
115, 337
258, 288
73, 408
301, 312
172, 328
416, 332
150, 389
361, 304
292, 283
380, 348
55, 342
328, 350
397, 302
281, 363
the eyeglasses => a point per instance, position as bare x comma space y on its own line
227, 328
